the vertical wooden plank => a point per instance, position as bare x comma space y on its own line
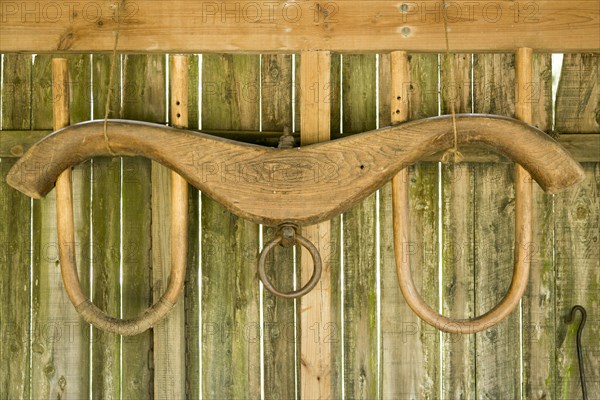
106, 238
360, 269
577, 218
62, 338
334, 250
169, 334
144, 92
498, 350
458, 286
80, 106
537, 303
389, 291
578, 282
280, 363
15, 231
578, 96
315, 318
230, 314
192, 283
413, 345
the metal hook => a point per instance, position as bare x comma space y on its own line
570, 320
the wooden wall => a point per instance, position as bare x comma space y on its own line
240, 342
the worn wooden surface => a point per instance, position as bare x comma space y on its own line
316, 324
192, 292
230, 289
15, 234
578, 97
497, 349
359, 247
458, 241
350, 25
61, 374
577, 251
582, 146
143, 89
538, 313
565, 225
168, 334
105, 220
410, 345
281, 364
244, 178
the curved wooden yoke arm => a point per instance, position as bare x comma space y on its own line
272, 186
68, 265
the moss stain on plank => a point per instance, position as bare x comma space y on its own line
230, 312
15, 230
360, 306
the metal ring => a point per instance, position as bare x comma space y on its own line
314, 252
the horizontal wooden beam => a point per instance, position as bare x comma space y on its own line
584, 147
292, 26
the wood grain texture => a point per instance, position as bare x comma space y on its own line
497, 349
458, 208
15, 234
577, 250
359, 248
316, 323
280, 315
390, 296
410, 347
106, 238
245, 177
538, 312
192, 285
169, 334
186, 25
230, 288
578, 282
334, 252
578, 96
581, 146
66, 351
144, 88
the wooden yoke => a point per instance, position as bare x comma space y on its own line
286, 186
273, 186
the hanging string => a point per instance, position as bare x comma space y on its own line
452, 154
113, 63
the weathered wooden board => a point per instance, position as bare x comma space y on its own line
316, 323
144, 89
458, 239
191, 293
106, 238
168, 334
578, 97
497, 349
538, 321
348, 25
410, 346
577, 248
61, 341
359, 246
230, 288
15, 236
281, 364
578, 282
